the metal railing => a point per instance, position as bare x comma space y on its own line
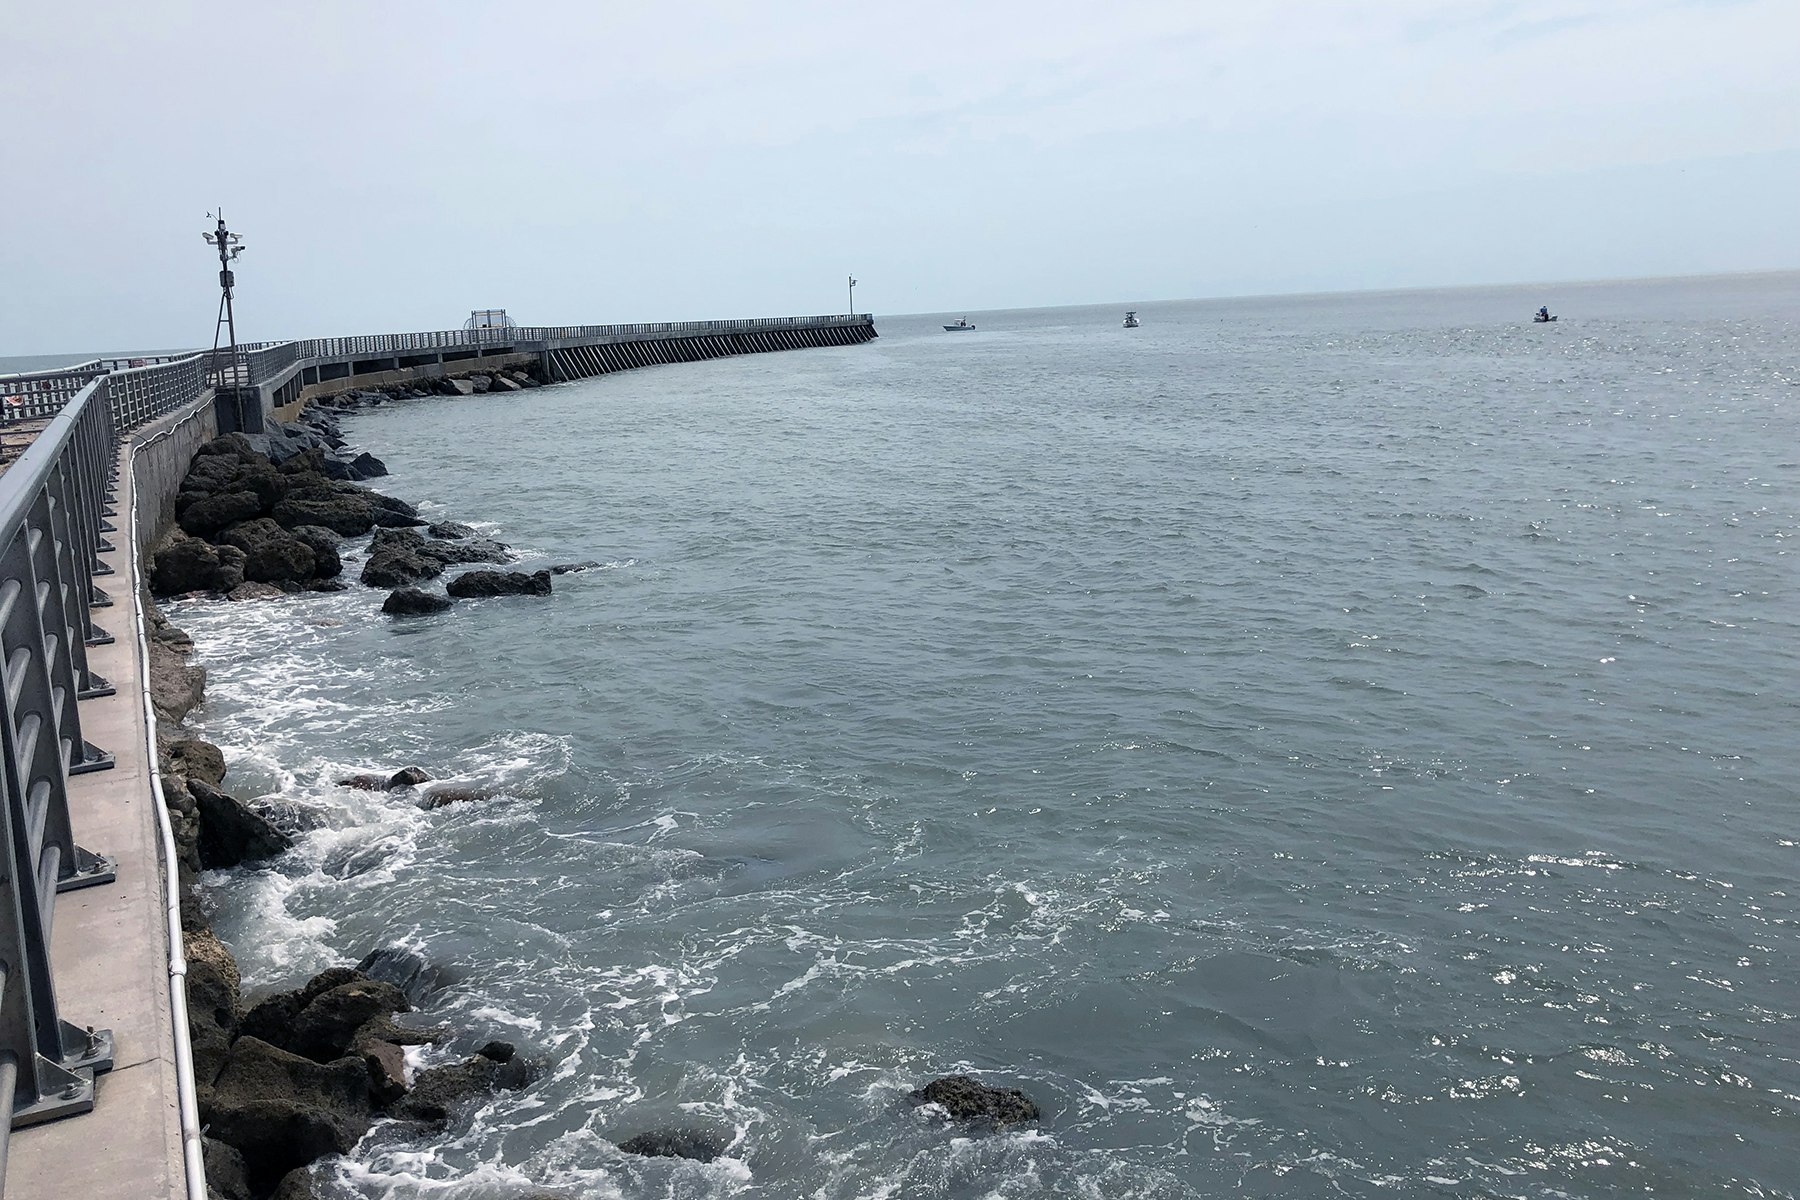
52, 526
45, 393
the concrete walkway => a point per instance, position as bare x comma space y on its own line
110, 945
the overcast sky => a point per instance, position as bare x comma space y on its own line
394, 165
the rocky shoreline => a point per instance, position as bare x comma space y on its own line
299, 1075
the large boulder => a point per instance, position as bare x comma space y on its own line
701, 1144
195, 758
406, 969
209, 515
398, 557
499, 583
230, 833
324, 544
226, 1177
230, 445
271, 553
186, 564
411, 602
456, 387
964, 1099
349, 515
450, 530
213, 1000
367, 466
327, 1027
438, 1092
281, 1111
176, 685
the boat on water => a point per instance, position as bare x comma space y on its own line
1542, 317
1131, 321
962, 323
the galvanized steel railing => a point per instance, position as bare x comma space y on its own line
45, 393
53, 509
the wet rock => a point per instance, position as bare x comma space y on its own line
282, 1111
272, 1018
347, 862
176, 685
212, 995
290, 817
271, 553
324, 545
438, 1092
411, 602
499, 583
450, 530
195, 758
226, 1177
398, 557
502, 384
440, 795
407, 970
367, 466
231, 445
296, 1185
365, 783
185, 564
574, 568
255, 591
699, 1144
349, 515
230, 833
967, 1100
207, 516
481, 383
456, 387
407, 777
386, 1064
326, 1028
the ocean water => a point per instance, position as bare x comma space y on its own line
1322, 746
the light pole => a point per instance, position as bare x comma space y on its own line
853, 295
230, 246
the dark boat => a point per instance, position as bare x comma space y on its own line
1542, 317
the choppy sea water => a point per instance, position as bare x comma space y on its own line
1315, 747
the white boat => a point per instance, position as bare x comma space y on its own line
962, 323
1131, 321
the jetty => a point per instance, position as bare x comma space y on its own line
94, 1051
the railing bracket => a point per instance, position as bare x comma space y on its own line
91, 870
93, 758
97, 685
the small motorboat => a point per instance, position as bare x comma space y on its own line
1131, 321
962, 323
1542, 317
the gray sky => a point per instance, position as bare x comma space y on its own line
393, 165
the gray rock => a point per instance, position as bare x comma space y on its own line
499, 583
225, 1173
457, 387
700, 1144
441, 1090
205, 517
411, 602
502, 384
324, 544
967, 1100
327, 1026
481, 383
407, 970
451, 530
255, 591
282, 1111
368, 466
574, 568
232, 445
230, 833
195, 758
271, 553
407, 777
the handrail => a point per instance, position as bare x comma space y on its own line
37, 394
51, 503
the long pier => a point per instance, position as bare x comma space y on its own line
92, 968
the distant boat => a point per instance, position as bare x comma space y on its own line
1542, 317
962, 323
1131, 321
